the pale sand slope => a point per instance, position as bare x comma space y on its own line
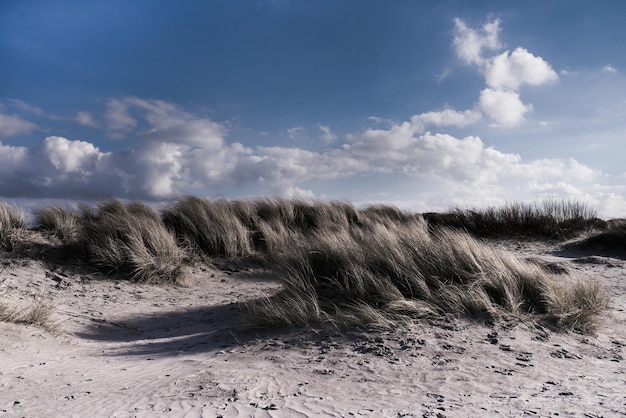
133, 350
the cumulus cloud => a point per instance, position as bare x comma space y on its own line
173, 158
68, 156
11, 158
11, 125
503, 107
441, 156
504, 73
463, 171
470, 43
512, 70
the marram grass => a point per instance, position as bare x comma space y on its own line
339, 264
131, 239
11, 226
382, 274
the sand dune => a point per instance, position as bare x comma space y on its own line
136, 350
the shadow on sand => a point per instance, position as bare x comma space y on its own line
181, 332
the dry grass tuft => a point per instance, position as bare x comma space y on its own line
39, 315
59, 221
243, 227
212, 227
12, 224
131, 239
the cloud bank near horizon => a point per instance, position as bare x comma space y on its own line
178, 153
174, 152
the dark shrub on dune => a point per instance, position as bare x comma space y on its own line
552, 219
612, 239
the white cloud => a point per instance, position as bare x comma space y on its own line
117, 116
166, 122
510, 71
11, 158
504, 107
85, 119
504, 73
470, 43
14, 125
446, 117
76, 157
327, 135
26, 107
447, 72
171, 161
609, 69
296, 133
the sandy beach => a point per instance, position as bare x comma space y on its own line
123, 349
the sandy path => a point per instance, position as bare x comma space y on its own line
136, 351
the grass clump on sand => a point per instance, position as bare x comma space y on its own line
385, 272
59, 221
39, 315
131, 239
12, 224
553, 219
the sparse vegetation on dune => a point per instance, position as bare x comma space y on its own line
379, 265
552, 219
39, 314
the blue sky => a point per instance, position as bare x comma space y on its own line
423, 104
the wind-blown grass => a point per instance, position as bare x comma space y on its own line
387, 273
213, 227
11, 226
240, 228
550, 218
131, 240
340, 264
384, 265
61, 222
